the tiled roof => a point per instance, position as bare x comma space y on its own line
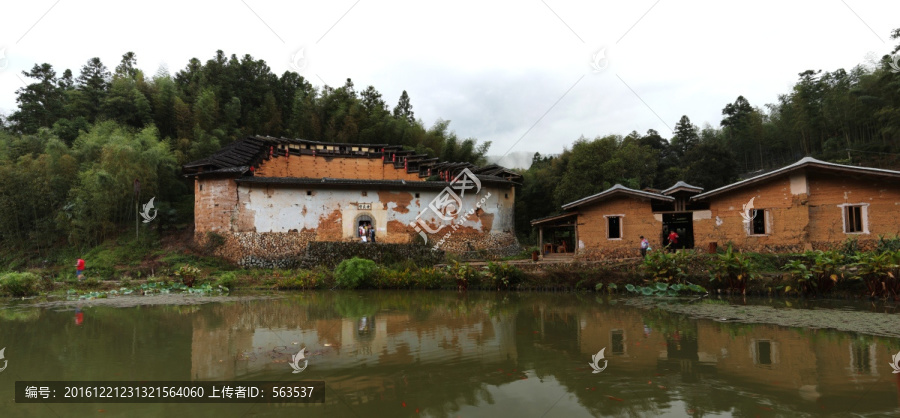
681, 186
807, 162
552, 218
394, 184
617, 189
251, 151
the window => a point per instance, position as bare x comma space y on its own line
855, 221
365, 193
757, 221
613, 226
862, 359
617, 341
417, 195
309, 192
764, 352
506, 195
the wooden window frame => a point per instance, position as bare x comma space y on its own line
621, 226
767, 218
863, 217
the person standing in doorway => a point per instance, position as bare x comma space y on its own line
673, 240
372, 234
645, 245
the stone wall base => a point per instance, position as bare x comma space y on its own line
296, 248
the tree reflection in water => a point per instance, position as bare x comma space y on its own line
392, 353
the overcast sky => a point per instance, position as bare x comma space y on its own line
527, 75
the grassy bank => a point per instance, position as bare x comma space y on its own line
156, 264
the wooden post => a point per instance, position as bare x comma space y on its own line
575, 227
541, 241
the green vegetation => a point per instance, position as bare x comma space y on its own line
667, 267
355, 273
665, 289
734, 269
18, 284
503, 276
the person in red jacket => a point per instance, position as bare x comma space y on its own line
673, 240
79, 269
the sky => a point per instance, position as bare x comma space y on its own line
529, 76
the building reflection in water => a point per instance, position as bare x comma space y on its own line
468, 348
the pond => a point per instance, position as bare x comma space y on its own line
444, 354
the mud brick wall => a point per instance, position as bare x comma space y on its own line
214, 203
332, 167
827, 191
638, 220
330, 254
785, 200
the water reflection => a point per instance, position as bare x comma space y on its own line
445, 354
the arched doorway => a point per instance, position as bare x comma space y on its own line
363, 222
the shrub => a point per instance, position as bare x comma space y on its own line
667, 267
429, 278
392, 278
504, 275
464, 274
826, 268
880, 271
187, 273
888, 244
227, 280
799, 271
733, 268
355, 273
18, 284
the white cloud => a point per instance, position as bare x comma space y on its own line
492, 68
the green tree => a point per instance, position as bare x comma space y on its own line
43, 102
403, 110
91, 88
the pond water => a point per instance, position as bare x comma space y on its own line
441, 354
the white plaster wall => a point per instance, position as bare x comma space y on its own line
281, 209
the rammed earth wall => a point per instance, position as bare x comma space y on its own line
274, 221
